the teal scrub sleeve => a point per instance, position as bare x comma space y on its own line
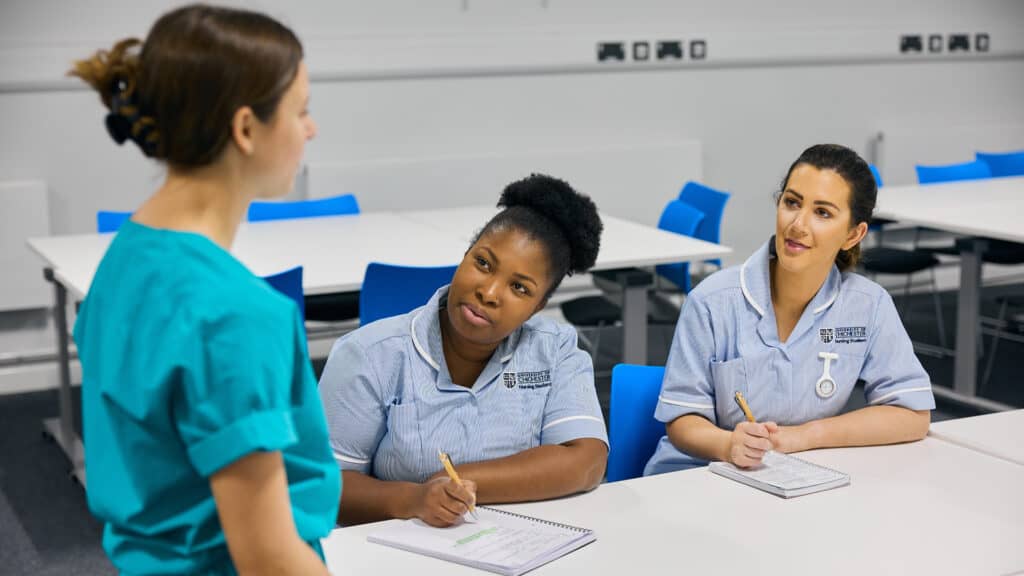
236, 399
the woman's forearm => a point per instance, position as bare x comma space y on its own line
698, 437
869, 426
367, 499
539, 473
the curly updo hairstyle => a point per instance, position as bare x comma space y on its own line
551, 212
176, 94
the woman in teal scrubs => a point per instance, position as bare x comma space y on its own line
205, 442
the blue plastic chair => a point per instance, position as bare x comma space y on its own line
334, 206
712, 203
107, 221
876, 174
973, 170
390, 290
681, 218
633, 432
289, 283
1004, 163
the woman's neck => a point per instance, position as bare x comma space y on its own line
465, 359
791, 292
209, 201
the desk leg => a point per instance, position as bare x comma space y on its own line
968, 305
634, 325
62, 429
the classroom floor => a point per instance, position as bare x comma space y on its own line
46, 528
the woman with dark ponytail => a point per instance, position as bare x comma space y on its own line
206, 446
508, 394
793, 329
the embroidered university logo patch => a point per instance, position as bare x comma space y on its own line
527, 380
826, 334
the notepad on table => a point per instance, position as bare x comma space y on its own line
784, 475
500, 541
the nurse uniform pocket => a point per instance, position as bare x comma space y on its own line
729, 378
403, 440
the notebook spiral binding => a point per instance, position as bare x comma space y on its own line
537, 520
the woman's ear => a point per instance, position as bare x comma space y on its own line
857, 233
242, 128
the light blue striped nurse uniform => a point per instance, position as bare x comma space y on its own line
391, 403
726, 341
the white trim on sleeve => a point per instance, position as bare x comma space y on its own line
685, 404
896, 392
570, 418
341, 457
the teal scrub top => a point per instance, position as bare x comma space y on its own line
189, 363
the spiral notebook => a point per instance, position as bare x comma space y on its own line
500, 541
784, 475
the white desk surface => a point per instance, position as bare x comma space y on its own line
333, 251
991, 208
928, 507
623, 243
1000, 434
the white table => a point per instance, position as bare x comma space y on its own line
981, 209
999, 435
923, 508
624, 244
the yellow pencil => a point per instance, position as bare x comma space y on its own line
453, 475
744, 407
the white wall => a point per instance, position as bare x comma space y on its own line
751, 117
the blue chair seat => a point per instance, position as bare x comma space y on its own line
1003, 164
390, 290
333, 206
632, 430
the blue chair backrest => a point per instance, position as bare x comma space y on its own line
107, 221
289, 283
973, 170
633, 431
390, 290
876, 174
334, 206
1003, 164
681, 218
712, 203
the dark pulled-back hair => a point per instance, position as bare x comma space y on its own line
551, 212
176, 93
857, 175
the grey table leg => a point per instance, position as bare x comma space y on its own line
968, 305
634, 325
633, 284
62, 429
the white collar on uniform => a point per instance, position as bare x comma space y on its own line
756, 284
425, 328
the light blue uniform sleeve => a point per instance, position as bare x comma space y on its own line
572, 410
688, 387
352, 398
237, 393
892, 374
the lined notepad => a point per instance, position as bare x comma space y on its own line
501, 542
784, 475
